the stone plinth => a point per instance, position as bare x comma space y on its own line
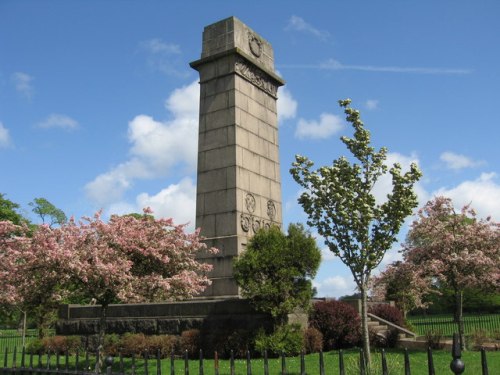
163, 318
239, 184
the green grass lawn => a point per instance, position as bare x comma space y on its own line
395, 360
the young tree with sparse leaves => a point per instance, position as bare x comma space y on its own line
276, 270
340, 204
458, 249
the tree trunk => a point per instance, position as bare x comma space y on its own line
364, 326
102, 333
459, 319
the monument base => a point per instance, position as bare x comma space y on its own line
214, 318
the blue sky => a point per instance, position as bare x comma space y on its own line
98, 104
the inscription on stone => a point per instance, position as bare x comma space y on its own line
256, 76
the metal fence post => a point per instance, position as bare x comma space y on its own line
407, 363
200, 371
456, 365
249, 363
484, 363
266, 363
341, 363
108, 362
430, 361
385, 371
321, 363
216, 363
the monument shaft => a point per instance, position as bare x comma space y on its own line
238, 184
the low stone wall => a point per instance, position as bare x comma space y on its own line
164, 318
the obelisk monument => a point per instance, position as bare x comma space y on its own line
238, 184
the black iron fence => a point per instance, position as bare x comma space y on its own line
489, 323
63, 364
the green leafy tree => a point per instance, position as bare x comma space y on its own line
275, 271
9, 211
340, 204
49, 213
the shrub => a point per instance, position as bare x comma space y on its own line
163, 343
54, 344
287, 338
112, 344
190, 341
313, 340
433, 339
35, 347
133, 343
339, 323
389, 313
478, 338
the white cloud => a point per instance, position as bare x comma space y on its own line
296, 23
335, 286
457, 161
371, 104
327, 125
482, 193
58, 121
327, 255
5, 140
156, 147
287, 105
333, 64
157, 45
23, 84
164, 57
110, 186
177, 201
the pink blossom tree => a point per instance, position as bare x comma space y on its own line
456, 248
33, 270
132, 258
404, 284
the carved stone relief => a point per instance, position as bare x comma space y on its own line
256, 76
249, 222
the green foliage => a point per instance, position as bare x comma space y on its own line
49, 213
9, 211
275, 271
288, 339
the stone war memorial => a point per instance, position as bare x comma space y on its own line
238, 188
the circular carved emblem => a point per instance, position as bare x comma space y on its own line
271, 210
245, 222
250, 202
256, 225
255, 45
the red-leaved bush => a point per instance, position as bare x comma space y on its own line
389, 313
339, 323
